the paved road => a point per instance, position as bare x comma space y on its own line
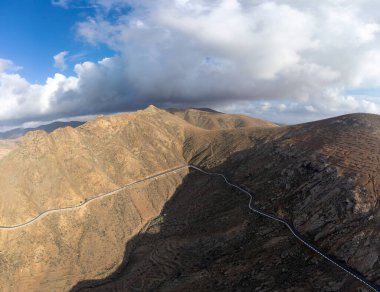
292, 229
296, 234
90, 199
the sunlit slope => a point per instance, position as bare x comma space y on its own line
213, 120
69, 165
321, 176
6, 146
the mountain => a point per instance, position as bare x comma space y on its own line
17, 133
70, 164
189, 230
322, 176
212, 120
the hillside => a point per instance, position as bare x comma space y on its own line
10, 139
70, 164
188, 230
6, 146
213, 120
320, 176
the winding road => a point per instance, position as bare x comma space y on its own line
292, 229
296, 234
91, 199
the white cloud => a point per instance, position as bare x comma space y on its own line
263, 41
283, 59
275, 50
60, 60
4, 65
62, 3
8, 65
96, 88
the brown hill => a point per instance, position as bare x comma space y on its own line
310, 174
6, 146
213, 120
69, 165
190, 230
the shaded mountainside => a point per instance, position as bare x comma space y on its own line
207, 240
213, 120
191, 231
320, 176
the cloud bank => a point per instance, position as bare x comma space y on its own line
288, 61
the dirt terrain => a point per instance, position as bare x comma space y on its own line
67, 166
208, 241
212, 120
191, 231
61, 249
6, 146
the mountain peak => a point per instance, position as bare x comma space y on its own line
152, 108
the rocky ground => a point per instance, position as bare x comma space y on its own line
6, 146
207, 240
193, 232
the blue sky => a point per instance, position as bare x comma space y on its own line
33, 31
283, 60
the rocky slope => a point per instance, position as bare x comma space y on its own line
208, 241
213, 120
6, 146
69, 165
66, 167
324, 178
191, 231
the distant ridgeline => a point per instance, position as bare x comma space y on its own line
17, 133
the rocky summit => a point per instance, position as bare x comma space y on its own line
73, 217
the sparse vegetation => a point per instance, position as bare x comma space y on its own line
158, 220
201, 228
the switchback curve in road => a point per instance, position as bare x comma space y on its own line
295, 233
292, 229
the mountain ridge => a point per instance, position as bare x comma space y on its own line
319, 176
19, 132
213, 120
